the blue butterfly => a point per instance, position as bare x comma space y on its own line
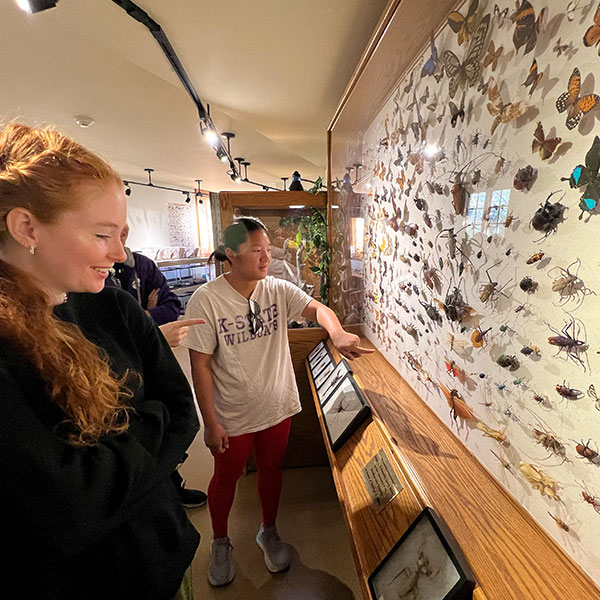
431, 64
587, 176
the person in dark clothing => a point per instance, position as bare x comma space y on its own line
96, 412
140, 277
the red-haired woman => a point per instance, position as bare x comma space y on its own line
95, 412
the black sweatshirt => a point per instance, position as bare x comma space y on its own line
102, 521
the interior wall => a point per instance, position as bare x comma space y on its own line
148, 217
498, 391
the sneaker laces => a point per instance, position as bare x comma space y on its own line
220, 551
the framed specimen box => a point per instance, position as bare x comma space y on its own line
324, 373
426, 562
344, 411
324, 359
316, 351
329, 384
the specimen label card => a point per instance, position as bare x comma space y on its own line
381, 481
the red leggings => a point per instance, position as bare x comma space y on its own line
269, 450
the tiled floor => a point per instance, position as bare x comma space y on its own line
310, 522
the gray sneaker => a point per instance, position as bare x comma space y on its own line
277, 558
221, 570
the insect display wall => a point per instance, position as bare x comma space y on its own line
467, 239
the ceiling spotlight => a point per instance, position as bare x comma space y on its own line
296, 185
210, 136
234, 176
84, 121
222, 156
33, 6
187, 198
127, 188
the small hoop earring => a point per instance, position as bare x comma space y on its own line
31, 249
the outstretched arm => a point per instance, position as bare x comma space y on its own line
346, 343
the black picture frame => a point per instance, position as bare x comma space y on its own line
328, 385
426, 558
323, 365
345, 410
318, 348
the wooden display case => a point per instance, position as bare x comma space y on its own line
511, 556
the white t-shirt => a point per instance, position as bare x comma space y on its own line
254, 382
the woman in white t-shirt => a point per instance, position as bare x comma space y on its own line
244, 381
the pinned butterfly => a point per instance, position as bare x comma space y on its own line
493, 56
576, 105
533, 77
466, 73
545, 146
527, 26
503, 112
592, 35
586, 177
464, 26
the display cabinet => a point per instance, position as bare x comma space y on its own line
186, 275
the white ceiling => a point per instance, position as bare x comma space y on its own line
272, 71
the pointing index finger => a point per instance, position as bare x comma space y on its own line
190, 322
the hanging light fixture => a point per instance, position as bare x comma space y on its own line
149, 183
198, 190
246, 164
296, 185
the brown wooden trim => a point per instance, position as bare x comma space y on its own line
274, 199
363, 61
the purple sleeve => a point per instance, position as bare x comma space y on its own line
168, 307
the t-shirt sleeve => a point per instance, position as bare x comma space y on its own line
296, 300
202, 338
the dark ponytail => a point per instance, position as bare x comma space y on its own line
235, 235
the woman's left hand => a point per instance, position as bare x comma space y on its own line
348, 345
175, 331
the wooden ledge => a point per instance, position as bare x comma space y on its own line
511, 555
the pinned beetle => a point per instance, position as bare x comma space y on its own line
525, 178
510, 362
527, 284
548, 216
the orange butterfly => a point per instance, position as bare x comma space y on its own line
492, 56
592, 35
545, 146
533, 78
577, 105
464, 26
502, 112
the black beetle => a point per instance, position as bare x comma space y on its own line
527, 284
547, 217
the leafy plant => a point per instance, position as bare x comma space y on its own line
312, 229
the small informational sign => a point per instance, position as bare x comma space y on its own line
381, 481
